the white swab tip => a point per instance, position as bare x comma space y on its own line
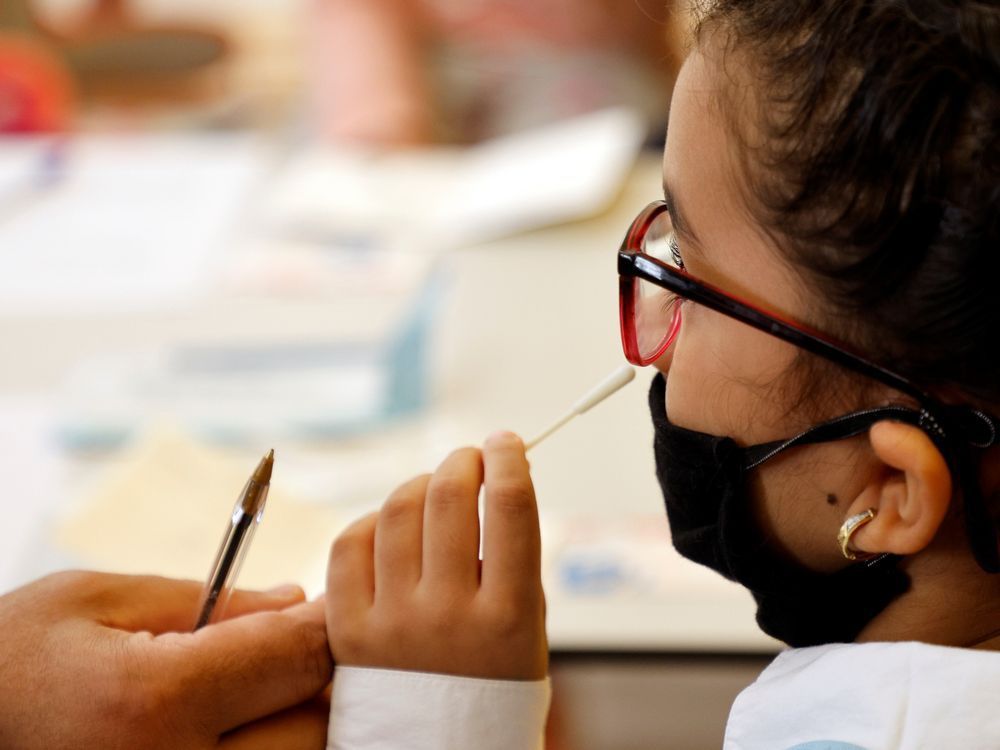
619, 378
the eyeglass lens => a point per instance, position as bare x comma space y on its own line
657, 310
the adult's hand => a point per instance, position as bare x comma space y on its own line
91, 660
405, 587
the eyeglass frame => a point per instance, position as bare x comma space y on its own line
634, 263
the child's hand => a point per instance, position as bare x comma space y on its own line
405, 586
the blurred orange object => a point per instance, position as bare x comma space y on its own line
37, 93
117, 59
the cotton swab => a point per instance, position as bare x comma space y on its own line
616, 380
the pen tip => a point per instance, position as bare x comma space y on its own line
263, 473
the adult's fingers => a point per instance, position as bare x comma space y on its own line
157, 604
398, 543
244, 602
511, 537
350, 575
451, 522
236, 671
300, 728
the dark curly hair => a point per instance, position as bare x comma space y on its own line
879, 172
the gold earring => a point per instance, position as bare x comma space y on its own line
850, 526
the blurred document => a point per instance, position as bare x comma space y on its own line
164, 508
117, 223
449, 197
30, 466
614, 582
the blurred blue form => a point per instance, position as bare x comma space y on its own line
257, 391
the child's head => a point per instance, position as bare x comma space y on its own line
836, 163
869, 151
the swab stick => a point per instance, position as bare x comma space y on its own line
616, 380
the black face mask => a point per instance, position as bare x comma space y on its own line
703, 478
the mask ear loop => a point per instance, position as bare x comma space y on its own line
839, 428
977, 430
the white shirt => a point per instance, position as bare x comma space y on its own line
874, 696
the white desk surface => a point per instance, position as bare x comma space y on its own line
528, 324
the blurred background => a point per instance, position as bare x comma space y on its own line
362, 233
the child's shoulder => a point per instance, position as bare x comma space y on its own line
872, 695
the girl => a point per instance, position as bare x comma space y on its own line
816, 292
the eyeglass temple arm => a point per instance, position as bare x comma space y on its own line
636, 264
980, 429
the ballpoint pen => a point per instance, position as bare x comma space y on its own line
247, 512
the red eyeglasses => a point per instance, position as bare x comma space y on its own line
652, 284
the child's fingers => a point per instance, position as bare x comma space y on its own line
398, 541
511, 537
350, 574
451, 522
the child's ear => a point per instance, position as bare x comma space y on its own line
911, 495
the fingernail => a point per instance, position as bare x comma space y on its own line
285, 591
503, 436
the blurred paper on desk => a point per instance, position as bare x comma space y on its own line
450, 197
31, 466
163, 508
131, 222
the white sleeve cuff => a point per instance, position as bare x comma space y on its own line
386, 709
